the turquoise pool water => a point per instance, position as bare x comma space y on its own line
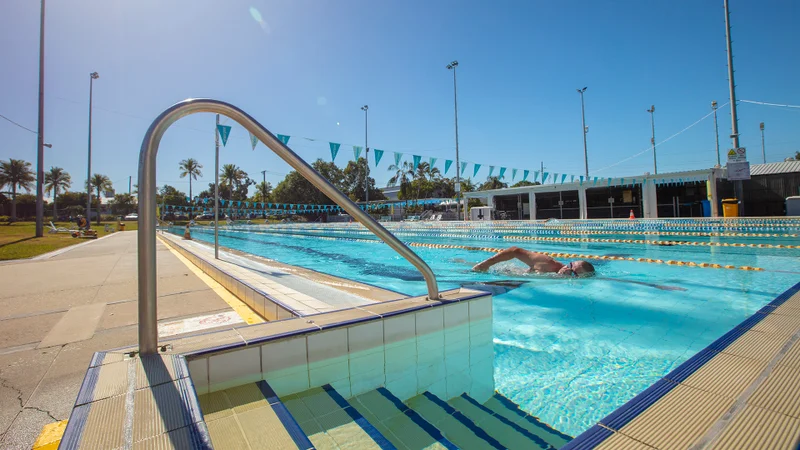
567, 350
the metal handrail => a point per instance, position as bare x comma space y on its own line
148, 329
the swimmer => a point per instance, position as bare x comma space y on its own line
539, 263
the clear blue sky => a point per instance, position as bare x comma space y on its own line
309, 67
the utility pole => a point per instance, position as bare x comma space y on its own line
716, 130
652, 111
264, 186
732, 87
216, 190
763, 150
365, 108
92, 76
585, 130
130, 179
541, 171
40, 135
452, 66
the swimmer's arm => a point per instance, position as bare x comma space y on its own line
642, 283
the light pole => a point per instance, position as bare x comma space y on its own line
763, 151
40, 135
716, 130
652, 110
585, 130
732, 88
365, 108
92, 76
452, 66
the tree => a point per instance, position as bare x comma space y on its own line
797, 156
492, 183
355, 175
100, 182
235, 180
168, 195
403, 174
16, 174
123, 204
424, 170
54, 181
296, 189
263, 191
191, 168
526, 183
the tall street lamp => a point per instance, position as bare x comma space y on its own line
92, 76
452, 66
585, 130
732, 87
652, 110
763, 150
40, 137
716, 130
365, 108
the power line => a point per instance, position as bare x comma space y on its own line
15, 123
769, 104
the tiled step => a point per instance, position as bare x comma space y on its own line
397, 422
508, 433
501, 406
455, 426
250, 416
330, 422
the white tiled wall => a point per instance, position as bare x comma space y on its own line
446, 350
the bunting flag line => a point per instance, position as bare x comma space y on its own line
476, 168
253, 140
595, 181
502, 173
513, 174
283, 138
544, 176
397, 157
447, 164
525, 174
416, 161
563, 178
432, 161
536, 176
581, 180
378, 156
491, 169
555, 178
357, 151
224, 132
463, 168
334, 150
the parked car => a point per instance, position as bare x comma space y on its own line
132, 216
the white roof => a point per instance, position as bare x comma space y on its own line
775, 168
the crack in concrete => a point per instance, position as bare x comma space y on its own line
7, 384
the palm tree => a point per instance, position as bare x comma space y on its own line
100, 182
403, 174
492, 183
191, 168
16, 173
424, 170
231, 175
54, 181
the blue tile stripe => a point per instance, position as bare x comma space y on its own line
74, 432
538, 440
289, 423
368, 428
630, 410
417, 419
511, 406
466, 421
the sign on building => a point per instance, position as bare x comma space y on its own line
738, 170
737, 155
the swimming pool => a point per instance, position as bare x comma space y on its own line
568, 350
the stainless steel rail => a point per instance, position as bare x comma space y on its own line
148, 329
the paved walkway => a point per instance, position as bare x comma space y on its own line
56, 312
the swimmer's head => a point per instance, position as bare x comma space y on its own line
582, 268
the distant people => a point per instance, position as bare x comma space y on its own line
538, 263
186, 233
82, 222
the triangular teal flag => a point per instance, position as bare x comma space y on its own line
397, 158
525, 174
555, 178
253, 140
491, 169
595, 181
502, 173
536, 176
622, 181
609, 181
513, 174
572, 178
447, 164
334, 150
475, 169
416, 161
378, 156
563, 178
581, 180
224, 132
544, 176
432, 161
357, 151
463, 167
283, 138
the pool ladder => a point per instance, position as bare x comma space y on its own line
148, 329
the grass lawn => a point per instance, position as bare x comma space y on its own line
17, 239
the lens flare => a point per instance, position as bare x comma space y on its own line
256, 15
